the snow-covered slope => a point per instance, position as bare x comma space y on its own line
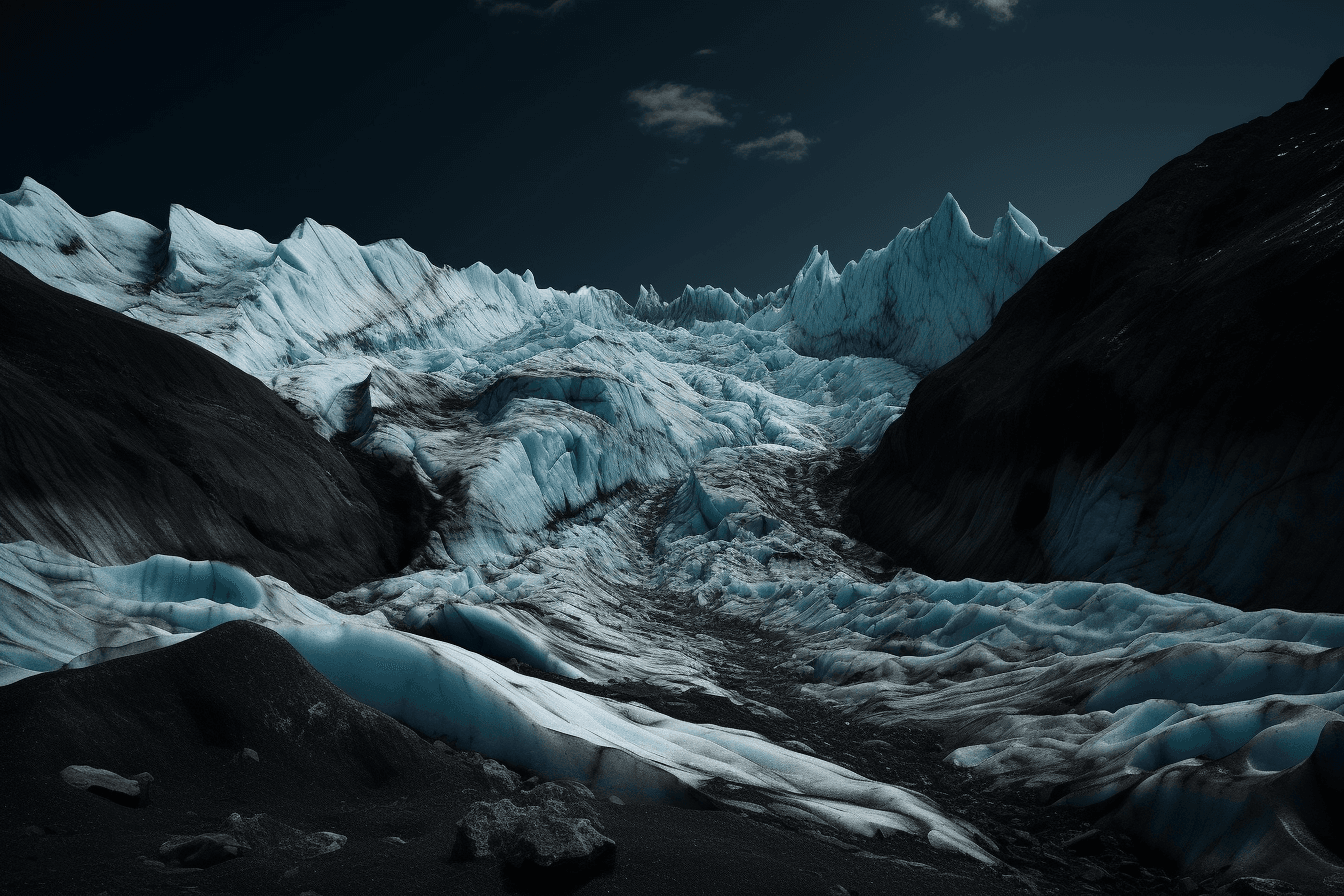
920, 300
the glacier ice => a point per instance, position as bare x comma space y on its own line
71, 612
1175, 707
598, 462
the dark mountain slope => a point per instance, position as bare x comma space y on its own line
118, 441
1162, 403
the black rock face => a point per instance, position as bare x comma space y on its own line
1162, 403
183, 709
118, 441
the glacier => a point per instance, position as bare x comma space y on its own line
598, 465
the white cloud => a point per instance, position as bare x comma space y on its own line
554, 8
999, 10
705, 52
781, 120
941, 15
677, 109
786, 146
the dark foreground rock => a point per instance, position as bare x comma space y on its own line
541, 837
1160, 404
200, 850
188, 712
156, 446
132, 792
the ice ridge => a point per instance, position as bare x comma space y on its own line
919, 301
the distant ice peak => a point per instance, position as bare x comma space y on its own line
919, 301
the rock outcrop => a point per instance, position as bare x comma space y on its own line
119, 441
1160, 404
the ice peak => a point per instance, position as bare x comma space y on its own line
951, 221
648, 300
1024, 223
28, 186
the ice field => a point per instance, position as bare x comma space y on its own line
590, 452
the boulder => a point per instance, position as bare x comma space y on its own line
553, 836
200, 850
133, 792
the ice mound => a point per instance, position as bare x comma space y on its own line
57, 610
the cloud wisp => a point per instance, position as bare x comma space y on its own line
941, 15
677, 110
546, 11
707, 51
786, 146
998, 10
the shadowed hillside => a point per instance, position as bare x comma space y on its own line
118, 441
1160, 404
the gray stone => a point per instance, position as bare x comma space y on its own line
265, 835
201, 850
109, 785
539, 840
499, 778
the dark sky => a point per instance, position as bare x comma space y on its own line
619, 142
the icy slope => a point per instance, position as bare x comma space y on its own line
513, 405
1213, 736
919, 301
69, 612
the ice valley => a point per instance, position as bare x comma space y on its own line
592, 463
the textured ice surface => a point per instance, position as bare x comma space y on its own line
598, 464
1218, 731
66, 611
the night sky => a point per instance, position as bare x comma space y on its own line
620, 142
